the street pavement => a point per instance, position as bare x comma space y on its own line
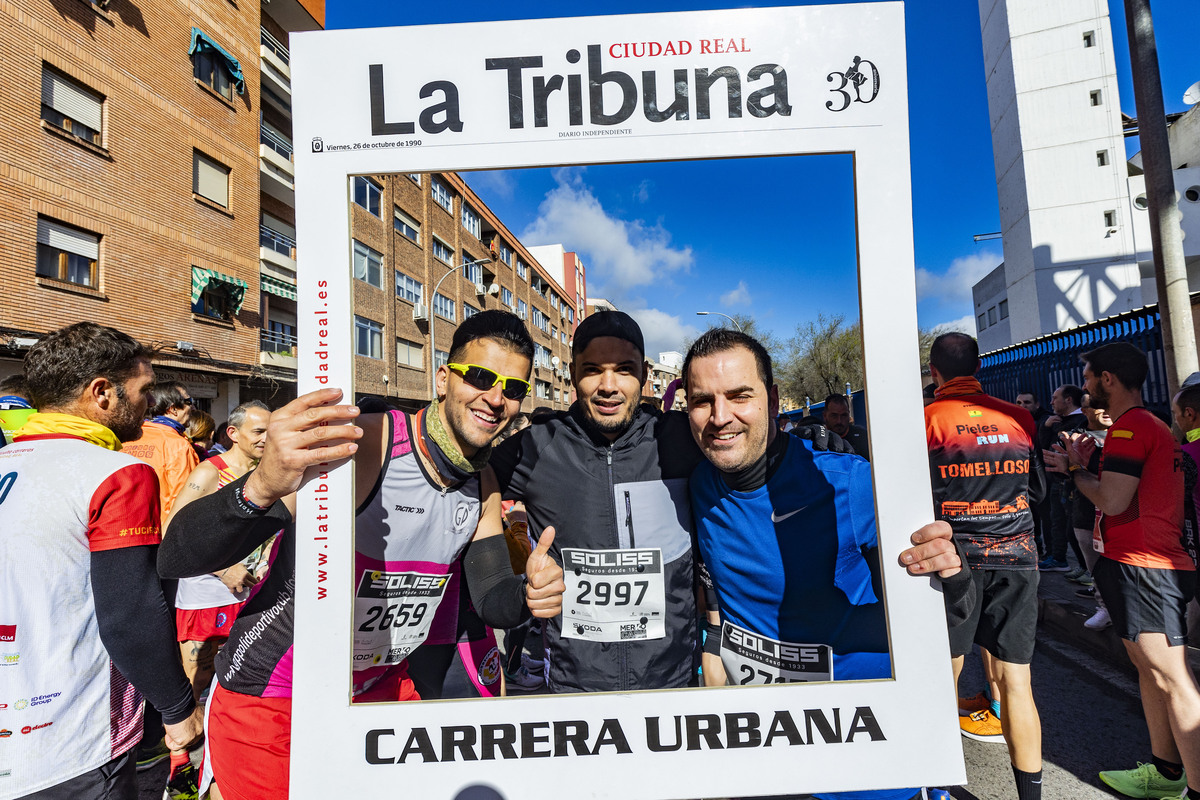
1086, 693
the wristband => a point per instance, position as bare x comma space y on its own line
1073, 468
712, 639
245, 506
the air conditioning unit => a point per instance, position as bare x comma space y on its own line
481, 289
523, 315
420, 312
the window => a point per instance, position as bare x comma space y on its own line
1097, 97
71, 106
368, 338
469, 311
541, 320
210, 179
554, 301
368, 265
522, 270
562, 336
67, 254
213, 66
1089, 39
982, 321
522, 309
557, 395
1101, 158
539, 285
441, 195
541, 356
992, 315
553, 331
407, 227
215, 301
415, 177
1003, 309
443, 306
1110, 219
410, 354
407, 288
472, 272
542, 389
506, 254
441, 358
442, 251
571, 315
506, 297
367, 193
471, 221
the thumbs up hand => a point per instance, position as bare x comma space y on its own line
544, 585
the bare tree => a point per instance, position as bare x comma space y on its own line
823, 356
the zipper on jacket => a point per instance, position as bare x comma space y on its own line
611, 489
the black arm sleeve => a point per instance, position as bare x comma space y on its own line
138, 629
1038, 486
216, 531
956, 594
498, 594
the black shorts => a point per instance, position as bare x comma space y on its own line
1145, 600
115, 780
1004, 619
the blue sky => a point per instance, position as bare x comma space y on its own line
785, 253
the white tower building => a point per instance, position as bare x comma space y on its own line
1069, 255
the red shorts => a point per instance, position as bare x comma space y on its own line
394, 686
202, 624
249, 744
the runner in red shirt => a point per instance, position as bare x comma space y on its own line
1144, 573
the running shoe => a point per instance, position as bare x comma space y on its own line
1074, 574
1144, 781
183, 783
147, 757
1084, 579
535, 666
982, 726
969, 705
1053, 565
1098, 622
525, 679
1087, 592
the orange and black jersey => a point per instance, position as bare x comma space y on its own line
986, 472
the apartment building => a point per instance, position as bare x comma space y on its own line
145, 183
428, 253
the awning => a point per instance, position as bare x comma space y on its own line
278, 288
202, 41
235, 286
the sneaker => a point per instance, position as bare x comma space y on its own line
147, 757
1098, 622
1084, 579
1087, 593
525, 679
969, 705
1052, 565
982, 726
1074, 574
535, 666
183, 783
1144, 781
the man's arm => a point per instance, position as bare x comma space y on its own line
201, 483
1111, 493
711, 666
503, 599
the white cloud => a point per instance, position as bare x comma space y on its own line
492, 183
662, 331
620, 255
962, 324
954, 284
739, 296
642, 193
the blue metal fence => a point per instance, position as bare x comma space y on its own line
1042, 365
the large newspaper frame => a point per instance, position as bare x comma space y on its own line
817, 79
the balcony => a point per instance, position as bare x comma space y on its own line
277, 254
276, 72
277, 349
275, 165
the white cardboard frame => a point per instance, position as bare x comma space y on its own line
332, 120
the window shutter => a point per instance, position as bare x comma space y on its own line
71, 100
212, 180
68, 239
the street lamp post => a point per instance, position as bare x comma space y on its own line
718, 313
433, 323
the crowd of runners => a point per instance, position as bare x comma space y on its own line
147, 605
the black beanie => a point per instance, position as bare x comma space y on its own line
617, 324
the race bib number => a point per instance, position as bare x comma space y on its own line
613, 595
393, 612
754, 659
1097, 536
